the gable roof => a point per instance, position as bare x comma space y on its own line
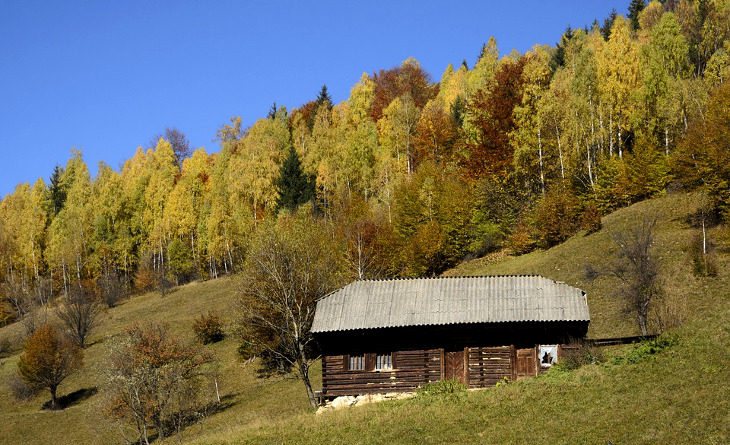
370, 304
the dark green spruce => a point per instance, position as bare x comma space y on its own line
293, 185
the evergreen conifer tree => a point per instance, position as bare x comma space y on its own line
57, 191
608, 24
324, 98
294, 187
635, 8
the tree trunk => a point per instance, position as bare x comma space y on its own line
542, 175
642, 324
610, 134
54, 400
560, 152
618, 141
304, 372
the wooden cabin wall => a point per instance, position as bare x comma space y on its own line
487, 366
412, 369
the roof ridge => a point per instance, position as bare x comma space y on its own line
455, 276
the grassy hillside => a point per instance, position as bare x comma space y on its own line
248, 400
678, 396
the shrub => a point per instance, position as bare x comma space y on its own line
80, 311
145, 280
5, 347
648, 349
578, 353
7, 314
156, 381
19, 389
554, 218
591, 218
521, 241
112, 289
208, 328
451, 386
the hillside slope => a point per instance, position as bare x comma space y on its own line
567, 262
678, 396
247, 398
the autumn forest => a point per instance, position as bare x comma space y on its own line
407, 177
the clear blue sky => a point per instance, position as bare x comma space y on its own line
105, 76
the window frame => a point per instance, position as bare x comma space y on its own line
357, 359
389, 356
368, 362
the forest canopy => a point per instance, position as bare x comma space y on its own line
408, 175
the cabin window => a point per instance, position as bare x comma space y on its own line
384, 362
357, 363
548, 355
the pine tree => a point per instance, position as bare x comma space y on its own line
58, 191
293, 185
324, 98
635, 8
558, 58
608, 24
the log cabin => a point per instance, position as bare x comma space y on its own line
380, 336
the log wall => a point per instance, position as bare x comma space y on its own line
411, 369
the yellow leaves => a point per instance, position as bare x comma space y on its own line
23, 224
482, 76
257, 163
618, 65
453, 84
361, 98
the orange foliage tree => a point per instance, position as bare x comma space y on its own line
488, 150
48, 358
155, 379
409, 78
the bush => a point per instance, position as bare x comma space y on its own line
112, 289
156, 381
578, 353
208, 328
5, 347
7, 315
555, 217
591, 218
441, 387
521, 241
19, 389
648, 349
145, 280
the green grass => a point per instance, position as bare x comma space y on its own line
679, 395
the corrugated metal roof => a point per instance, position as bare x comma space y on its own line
369, 304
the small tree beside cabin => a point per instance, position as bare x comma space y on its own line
289, 266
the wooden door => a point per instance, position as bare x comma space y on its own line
525, 363
454, 365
